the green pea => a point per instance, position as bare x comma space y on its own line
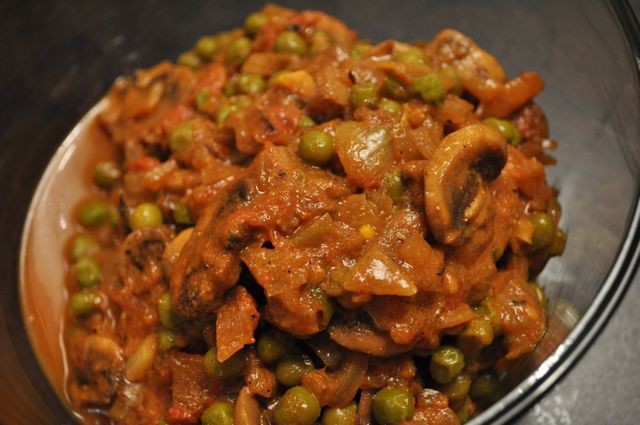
207, 47
241, 102
484, 386
465, 412
106, 174
395, 88
270, 347
390, 106
225, 110
477, 335
229, 369
94, 214
82, 246
412, 56
491, 314
291, 369
238, 50
543, 230
558, 243
364, 94
458, 388
166, 340
316, 147
391, 406
298, 406
190, 59
203, 97
340, 415
453, 75
446, 363
180, 137
429, 87
83, 303
181, 214
168, 318
507, 128
254, 22
393, 185
219, 413
230, 88
88, 272
290, 42
223, 113
540, 294
326, 304
319, 41
251, 84
359, 50
224, 39
146, 214
306, 122
114, 215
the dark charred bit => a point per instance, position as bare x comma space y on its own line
135, 260
267, 245
463, 198
148, 247
352, 76
123, 210
233, 240
237, 195
491, 164
269, 128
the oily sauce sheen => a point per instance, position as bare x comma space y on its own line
301, 227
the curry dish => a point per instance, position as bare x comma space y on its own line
303, 227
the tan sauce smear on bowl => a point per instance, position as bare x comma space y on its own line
295, 226
45, 246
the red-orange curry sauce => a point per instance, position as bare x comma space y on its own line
303, 227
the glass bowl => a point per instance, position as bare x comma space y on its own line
585, 51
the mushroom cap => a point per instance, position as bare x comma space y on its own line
457, 179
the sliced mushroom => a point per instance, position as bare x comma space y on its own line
456, 181
481, 74
140, 258
98, 364
208, 263
359, 334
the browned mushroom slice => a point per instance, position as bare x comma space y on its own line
457, 178
140, 258
98, 363
358, 334
208, 263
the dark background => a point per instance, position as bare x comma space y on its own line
58, 60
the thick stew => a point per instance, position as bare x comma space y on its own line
304, 227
